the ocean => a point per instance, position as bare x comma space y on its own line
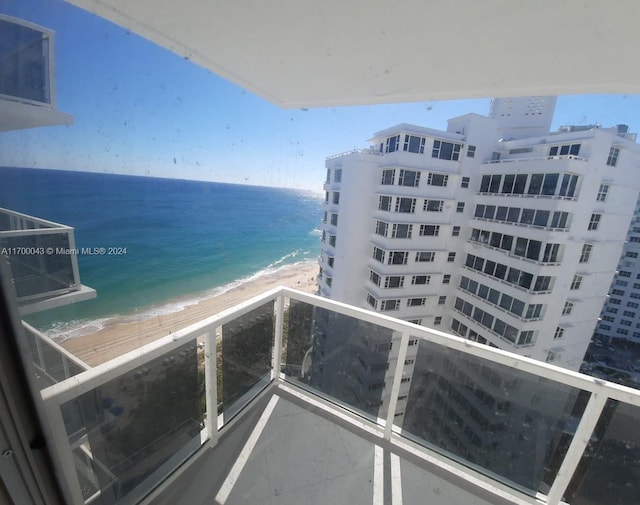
184, 240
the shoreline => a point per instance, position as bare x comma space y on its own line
120, 336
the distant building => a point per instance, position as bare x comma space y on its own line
620, 318
494, 229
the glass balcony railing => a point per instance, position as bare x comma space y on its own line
25, 54
536, 432
43, 260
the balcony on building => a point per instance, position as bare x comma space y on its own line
27, 85
44, 262
293, 398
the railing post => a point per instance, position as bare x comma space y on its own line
74, 259
395, 387
576, 449
277, 342
211, 383
63, 453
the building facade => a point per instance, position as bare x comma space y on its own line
620, 318
495, 229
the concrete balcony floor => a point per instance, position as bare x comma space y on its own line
288, 449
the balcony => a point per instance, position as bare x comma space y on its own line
27, 90
43, 260
204, 416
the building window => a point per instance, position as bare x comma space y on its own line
371, 300
567, 309
326, 197
617, 292
559, 332
433, 205
416, 302
420, 279
631, 254
329, 281
460, 207
567, 149
336, 197
425, 256
437, 321
328, 179
334, 219
446, 278
387, 305
526, 337
603, 191
612, 159
414, 144
413, 341
392, 144
585, 255
465, 182
378, 254
324, 217
455, 231
385, 203
442, 300
446, 150
451, 257
576, 282
401, 231
374, 277
331, 261
398, 258
431, 230
337, 175
534, 311
388, 177
471, 151
332, 240
594, 222
406, 205
624, 273
394, 281
568, 186
632, 305
409, 178
437, 179
381, 228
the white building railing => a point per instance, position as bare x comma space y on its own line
505, 421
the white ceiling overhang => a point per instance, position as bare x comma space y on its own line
314, 53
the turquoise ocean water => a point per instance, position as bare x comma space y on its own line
184, 240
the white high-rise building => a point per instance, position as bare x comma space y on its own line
620, 318
494, 229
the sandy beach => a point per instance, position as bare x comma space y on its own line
117, 337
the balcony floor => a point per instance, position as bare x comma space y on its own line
288, 451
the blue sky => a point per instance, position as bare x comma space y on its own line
139, 109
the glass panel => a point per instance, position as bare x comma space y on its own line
36, 267
23, 62
245, 358
131, 432
52, 361
502, 422
609, 471
348, 359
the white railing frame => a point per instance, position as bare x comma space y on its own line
601, 391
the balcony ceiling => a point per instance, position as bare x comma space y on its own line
346, 52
